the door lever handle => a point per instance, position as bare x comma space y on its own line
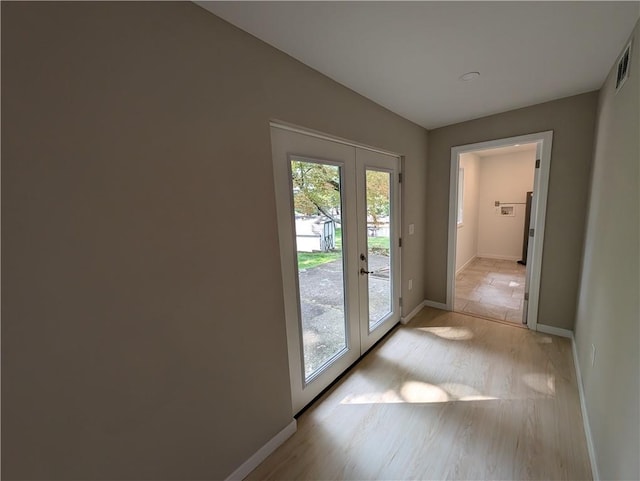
363, 272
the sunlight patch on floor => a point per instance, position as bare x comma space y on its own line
448, 332
422, 392
416, 392
542, 383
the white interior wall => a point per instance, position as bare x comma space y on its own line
467, 239
506, 178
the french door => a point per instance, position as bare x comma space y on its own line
339, 228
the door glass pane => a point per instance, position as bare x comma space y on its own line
378, 186
317, 198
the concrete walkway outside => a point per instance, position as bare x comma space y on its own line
322, 305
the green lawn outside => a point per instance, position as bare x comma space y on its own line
309, 260
378, 242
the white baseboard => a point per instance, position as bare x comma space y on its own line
557, 331
261, 454
437, 305
465, 265
412, 314
583, 405
585, 418
499, 257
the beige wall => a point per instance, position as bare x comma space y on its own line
573, 121
608, 314
506, 178
467, 237
143, 334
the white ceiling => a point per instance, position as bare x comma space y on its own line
408, 56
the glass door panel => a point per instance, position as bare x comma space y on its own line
378, 187
378, 211
314, 181
317, 202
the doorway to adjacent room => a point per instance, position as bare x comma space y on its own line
498, 202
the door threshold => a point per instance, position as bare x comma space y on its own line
346, 371
499, 321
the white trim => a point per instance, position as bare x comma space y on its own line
466, 264
261, 454
412, 314
583, 405
585, 418
279, 124
460, 212
436, 305
556, 331
534, 267
453, 231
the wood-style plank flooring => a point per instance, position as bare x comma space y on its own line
491, 288
448, 396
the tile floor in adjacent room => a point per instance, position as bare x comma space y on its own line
491, 288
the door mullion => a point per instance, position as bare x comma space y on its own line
363, 256
350, 225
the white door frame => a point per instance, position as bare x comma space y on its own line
313, 146
541, 189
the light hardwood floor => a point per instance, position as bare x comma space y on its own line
447, 396
491, 288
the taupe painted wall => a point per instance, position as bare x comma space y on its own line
143, 334
506, 178
573, 120
608, 314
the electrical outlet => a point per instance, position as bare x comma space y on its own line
593, 355
410, 284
